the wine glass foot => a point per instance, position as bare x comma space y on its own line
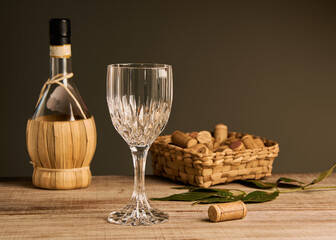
132, 216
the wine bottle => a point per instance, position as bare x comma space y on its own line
61, 135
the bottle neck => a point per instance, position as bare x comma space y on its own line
60, 60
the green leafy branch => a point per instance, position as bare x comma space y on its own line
214, 195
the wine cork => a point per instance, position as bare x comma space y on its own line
220, 133
193, 134
227, 211
259, 143
249, 142
231, 140
237, 146
183, 140
209, 144
205, 138
221, 148
200, 148
230, 134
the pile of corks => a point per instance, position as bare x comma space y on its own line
219, 140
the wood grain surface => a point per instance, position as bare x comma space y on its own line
30, 213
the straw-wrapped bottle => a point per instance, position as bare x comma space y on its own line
61, 135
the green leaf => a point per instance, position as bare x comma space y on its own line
187, 196
214, 199
260, 196
200, 189
288, 181
203, 195
261, 184
237, 192
322, 176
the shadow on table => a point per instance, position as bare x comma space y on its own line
205, 220
25, 182
164, 180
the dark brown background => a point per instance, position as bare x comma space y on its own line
262, 67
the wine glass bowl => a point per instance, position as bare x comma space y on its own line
139, 97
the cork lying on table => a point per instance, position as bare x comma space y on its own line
227, 211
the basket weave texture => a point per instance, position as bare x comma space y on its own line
205, 170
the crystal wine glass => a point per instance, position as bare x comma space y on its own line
139, 97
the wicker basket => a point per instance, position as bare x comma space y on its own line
205, 170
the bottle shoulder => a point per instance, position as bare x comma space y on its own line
62, 99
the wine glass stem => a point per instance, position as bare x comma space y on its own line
139, 155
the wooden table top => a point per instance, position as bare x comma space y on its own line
30, 213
